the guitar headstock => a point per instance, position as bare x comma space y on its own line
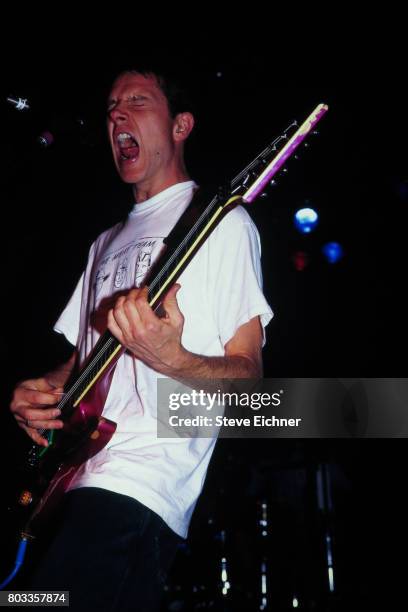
258, 175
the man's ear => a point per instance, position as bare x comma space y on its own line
183, 125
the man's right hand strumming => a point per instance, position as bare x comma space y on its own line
33, 407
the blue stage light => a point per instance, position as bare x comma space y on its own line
306, 220
333, 252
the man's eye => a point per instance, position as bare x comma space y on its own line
137, 99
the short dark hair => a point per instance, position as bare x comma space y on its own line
178, 98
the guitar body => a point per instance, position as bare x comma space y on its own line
84, 434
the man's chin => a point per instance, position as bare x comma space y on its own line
129, 174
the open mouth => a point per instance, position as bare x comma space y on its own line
128, 146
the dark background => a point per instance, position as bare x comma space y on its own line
337, 320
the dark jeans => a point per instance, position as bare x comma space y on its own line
111, 553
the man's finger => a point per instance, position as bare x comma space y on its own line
39, 384
35, 436
36, 414
41, 423
39, 398
170, 304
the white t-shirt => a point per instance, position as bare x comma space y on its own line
220, 290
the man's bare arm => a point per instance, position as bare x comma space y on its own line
242, 357
157, 341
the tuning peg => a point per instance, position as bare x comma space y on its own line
296, 157
285, 170
306, 145
263, 195
273, 183
315, 132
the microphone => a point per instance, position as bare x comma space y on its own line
19, 104
64, 128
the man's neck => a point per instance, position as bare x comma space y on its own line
143, 192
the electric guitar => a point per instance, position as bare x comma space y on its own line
50, 470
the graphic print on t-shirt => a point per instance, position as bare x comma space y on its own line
121, 272
100, 278
125, 267
144, 260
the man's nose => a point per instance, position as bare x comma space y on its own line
118, 114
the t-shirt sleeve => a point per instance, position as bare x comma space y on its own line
235, 255
69, 320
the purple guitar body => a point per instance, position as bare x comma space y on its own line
84, 434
